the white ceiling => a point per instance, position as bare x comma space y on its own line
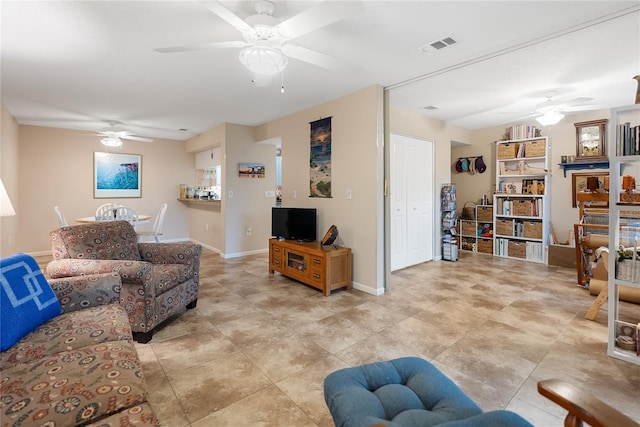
79, 64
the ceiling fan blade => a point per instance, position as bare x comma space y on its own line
558, 105
578, 101
320, 16
136, 138
317, 58
203, 46
227, 15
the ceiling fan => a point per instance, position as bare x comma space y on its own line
551, 111
266, 43
112, 137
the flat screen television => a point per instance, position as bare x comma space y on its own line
294, 223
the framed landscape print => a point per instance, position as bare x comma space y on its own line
117, 175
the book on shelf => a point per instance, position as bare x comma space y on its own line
521, 132
627, 139
534, 251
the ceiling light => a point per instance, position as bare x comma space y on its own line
263, 60
550, 118
111, 141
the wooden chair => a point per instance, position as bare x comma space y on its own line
583, 407
126, 213
157, 225
107, 211
61, 219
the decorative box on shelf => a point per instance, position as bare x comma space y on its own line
629, 197
535, 148
484, 213
508, 151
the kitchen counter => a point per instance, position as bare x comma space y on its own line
200, 201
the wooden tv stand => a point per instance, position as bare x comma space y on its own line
323, 267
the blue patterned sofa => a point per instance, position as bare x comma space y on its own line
158, 279
70, 360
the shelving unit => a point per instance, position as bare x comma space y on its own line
476, 235
448, 205
484, 229
521, 201
467, 230
624, 217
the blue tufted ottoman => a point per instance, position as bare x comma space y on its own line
405, 392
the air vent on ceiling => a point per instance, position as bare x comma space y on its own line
438, 44
431, 107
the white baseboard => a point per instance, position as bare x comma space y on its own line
366, 289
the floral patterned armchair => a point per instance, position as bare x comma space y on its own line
157, 278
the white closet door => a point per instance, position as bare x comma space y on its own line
412, 201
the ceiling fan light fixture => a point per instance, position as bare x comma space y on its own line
111, 141
263, 60
550, 118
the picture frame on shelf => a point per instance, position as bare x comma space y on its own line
591, 140
117, 175
579, 184
532, 186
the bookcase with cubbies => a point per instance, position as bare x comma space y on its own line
476, 235
521, 200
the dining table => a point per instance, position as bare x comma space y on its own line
142, 219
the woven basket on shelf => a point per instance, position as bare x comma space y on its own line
628, 269
534, 148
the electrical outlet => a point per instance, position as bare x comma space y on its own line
295, 194
247, 231
230, 194
269, 194
349, 194
206, 227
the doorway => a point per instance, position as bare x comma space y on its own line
412, 200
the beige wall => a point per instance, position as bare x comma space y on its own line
56, 168
356, 165
9, 159
249, 207
563, 142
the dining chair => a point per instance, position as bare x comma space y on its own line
107, 211
156, 232
126, 213
61, 219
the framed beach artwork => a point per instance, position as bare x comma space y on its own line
117, 175
320, 158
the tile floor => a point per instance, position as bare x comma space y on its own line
257, 347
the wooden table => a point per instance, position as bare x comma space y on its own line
142, 219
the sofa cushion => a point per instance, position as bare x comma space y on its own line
115, 240
70, 331
26, 298
73, 387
